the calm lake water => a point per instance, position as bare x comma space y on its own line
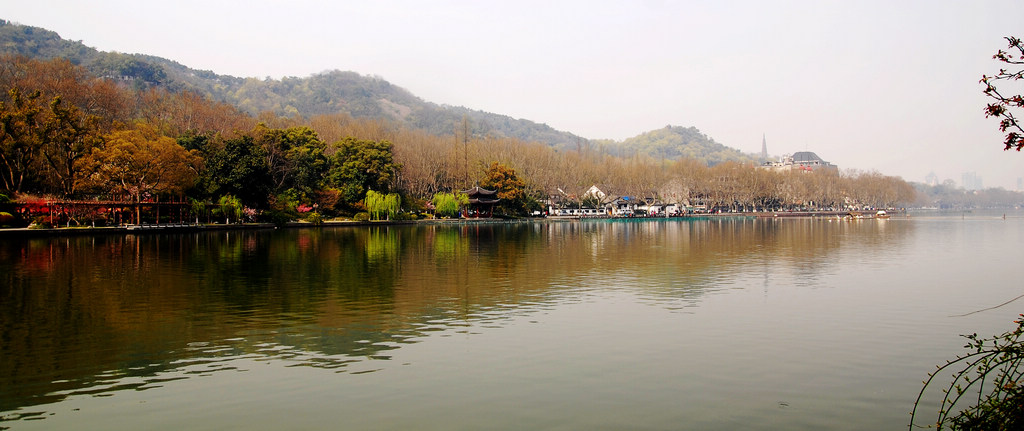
597, 325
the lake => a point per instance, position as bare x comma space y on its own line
713, 324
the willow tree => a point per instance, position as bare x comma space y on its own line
381, 205
449, 204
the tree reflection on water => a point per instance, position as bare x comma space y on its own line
99, 314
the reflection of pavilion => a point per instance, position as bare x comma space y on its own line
481, 202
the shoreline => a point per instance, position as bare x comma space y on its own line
181, 228
187, 228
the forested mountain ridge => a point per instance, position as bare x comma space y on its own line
344, 92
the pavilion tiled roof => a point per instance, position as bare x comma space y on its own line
478, 195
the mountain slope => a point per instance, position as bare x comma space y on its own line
340, 92
324, 93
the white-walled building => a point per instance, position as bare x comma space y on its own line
801, 160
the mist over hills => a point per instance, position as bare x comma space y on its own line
357, 95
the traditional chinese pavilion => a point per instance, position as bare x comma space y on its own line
481, 202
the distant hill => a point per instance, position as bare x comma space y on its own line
347, 92
673, 142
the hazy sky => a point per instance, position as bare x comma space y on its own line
872, 85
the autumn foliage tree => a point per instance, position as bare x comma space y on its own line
140, 163
511, 189
103, 99
20, 138
69, 135
187, 112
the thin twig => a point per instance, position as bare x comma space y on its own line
989, 308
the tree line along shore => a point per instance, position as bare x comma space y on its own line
68, 136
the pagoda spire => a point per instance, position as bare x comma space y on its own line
764, 149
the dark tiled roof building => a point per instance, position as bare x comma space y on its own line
481, 202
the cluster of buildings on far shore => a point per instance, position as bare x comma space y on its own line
803, 161
798, 161
606, 204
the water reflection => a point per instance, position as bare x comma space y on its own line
97, 315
